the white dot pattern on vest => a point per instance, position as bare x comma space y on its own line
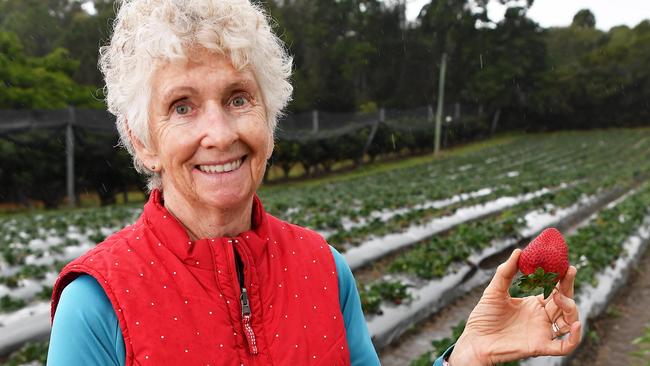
195, 284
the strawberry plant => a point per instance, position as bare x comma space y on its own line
372, 296
442, 345
33, 353
8, 303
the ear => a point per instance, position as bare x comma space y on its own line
269, 148
147, 155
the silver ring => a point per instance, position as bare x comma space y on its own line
556, 330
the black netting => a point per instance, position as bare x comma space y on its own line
20, 120
421, 113
95, 120
304, 126
296, 122
314, 140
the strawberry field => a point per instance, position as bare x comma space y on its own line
418, 237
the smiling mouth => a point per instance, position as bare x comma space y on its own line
222, 168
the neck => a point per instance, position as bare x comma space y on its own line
203, 222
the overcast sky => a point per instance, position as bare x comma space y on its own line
550, 13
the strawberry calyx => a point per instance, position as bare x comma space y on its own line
539, 279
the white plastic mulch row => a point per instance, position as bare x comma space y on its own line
436, 294
25, 325
387, 214
592, 300
376, 248
33, 321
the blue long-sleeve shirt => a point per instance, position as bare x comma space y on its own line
86, 330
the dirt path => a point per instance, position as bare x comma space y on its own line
610, 341
418, 340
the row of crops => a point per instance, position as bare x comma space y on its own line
416, 237
594, 247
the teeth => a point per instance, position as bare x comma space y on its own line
221, 168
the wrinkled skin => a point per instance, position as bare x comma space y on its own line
502, 328
204, 112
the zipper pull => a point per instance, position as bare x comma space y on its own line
245, 306
246, 320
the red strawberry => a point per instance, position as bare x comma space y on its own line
544, 261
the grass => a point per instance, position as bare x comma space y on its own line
642, 354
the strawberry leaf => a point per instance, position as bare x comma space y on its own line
538, 280
548, 291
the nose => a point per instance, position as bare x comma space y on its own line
219, 129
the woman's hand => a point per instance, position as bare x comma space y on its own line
502, 328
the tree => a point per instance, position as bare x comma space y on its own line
39, 82
585, 19
38, 23
82, 35
513, 62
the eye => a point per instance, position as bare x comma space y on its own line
239, 101
183, 109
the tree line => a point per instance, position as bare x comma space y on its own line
354, 54
350, 56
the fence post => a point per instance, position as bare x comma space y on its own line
373, 131
314, 121
69, 151
441, 97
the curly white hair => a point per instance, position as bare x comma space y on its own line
147, 32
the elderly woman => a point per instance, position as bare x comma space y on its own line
207, 277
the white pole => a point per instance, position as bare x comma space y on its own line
441, 97
69, 150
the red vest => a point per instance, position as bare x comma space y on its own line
178, 302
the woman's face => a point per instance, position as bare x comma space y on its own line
209, 133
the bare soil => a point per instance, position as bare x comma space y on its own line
418, 340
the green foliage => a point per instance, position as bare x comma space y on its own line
596, 79
598, 245
392, 291
33, 352
354, 53
585, 19
349, 55
442, 345
39, 82
424, 359
8, 303
643, 345
538, 280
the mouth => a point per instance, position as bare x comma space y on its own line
221, 168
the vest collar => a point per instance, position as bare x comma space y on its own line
172, 233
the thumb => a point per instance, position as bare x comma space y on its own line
505, 273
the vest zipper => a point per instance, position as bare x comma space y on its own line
245, 306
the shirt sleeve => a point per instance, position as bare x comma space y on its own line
362, 352
85, 329
440, 361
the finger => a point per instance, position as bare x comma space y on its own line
546, 301
505, 273
566, 284
568, 307
561, 347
